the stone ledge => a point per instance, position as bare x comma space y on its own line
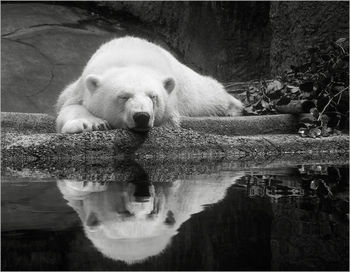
29, 123
243, 125
25, 137
163, 142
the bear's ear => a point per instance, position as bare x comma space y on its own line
92, 82
169, 84
92, 221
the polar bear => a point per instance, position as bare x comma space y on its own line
132, 221
132, 83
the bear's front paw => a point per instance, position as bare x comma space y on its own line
81, 125
235, 108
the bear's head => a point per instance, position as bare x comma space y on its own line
131, 97
125, 221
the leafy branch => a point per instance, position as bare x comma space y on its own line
331, 99
318, 88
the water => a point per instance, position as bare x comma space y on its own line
134, 218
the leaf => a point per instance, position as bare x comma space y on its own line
274, 86
306, 95
293, 89
253, 89
314, 184
315, 113
324, 120
340, 40
303, 132
315, 132
326, 131
265, 104
249, 111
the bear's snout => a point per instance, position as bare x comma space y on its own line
141, 120
142, 192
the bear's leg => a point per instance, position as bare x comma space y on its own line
235, 107
76, 119
170, 119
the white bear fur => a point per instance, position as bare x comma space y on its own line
134, 238
145, 70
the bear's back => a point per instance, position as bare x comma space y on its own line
130, 51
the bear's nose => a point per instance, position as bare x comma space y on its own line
142, 192
141, 119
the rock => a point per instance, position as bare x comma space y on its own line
227, 40
25, 73
44, 48
240, 41
31, 149
298, 25
244, 125
19, 17
24, 123
162, 142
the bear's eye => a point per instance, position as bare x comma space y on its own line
123, 97
152, 96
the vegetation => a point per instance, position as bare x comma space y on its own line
319, 87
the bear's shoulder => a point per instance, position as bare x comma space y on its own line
129, 51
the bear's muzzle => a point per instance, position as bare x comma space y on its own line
141, 120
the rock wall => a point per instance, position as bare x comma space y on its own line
227, 40
299, 25
238, 41
44, 48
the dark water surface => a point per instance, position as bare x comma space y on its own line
263, 219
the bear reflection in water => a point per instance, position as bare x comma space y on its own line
131, 221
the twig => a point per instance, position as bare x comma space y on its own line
329, 85
339, 98
340, 47
330, 100
330, 194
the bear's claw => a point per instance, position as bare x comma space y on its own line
82, 125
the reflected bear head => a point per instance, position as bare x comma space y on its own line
131, 221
